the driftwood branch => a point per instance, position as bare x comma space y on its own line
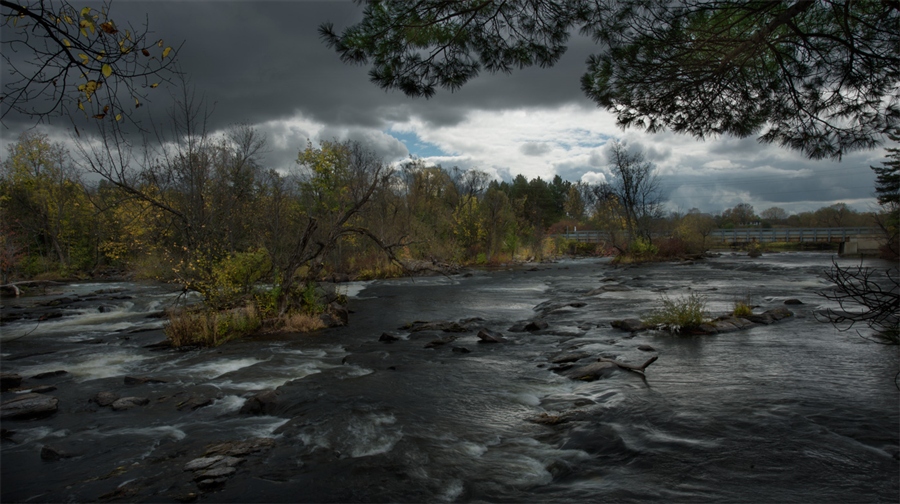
632, 367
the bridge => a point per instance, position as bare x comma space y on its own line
853, 240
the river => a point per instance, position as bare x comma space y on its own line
795, 411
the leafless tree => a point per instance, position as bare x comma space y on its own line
636, 188
869, 296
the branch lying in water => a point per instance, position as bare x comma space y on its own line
631, 367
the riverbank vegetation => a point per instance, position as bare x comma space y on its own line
207, 214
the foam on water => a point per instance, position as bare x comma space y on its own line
163, 431
361, 435
473, 449
372, 434
24, 436
352, 289
262, 426
110, 363
452, 491
215, 369
228, 404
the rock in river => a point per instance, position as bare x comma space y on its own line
29, 406
489, 336
126, 403
261, 403
9, 381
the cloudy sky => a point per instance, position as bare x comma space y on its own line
263, 63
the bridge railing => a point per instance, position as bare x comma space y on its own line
763, 235
791, 234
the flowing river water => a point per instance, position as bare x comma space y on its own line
794, 411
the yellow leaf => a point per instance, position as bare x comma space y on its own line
85, 12
159, 43
118, 117
154, 85
67, 43
68, 19
89, 88
80, 105
166, 51
107, 70
84, 58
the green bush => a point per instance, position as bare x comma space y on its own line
641, 247
311, 300
680, 313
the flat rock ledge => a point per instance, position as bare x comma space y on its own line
212, 470
28, 406
724, 324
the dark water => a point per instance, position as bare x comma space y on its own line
795, 411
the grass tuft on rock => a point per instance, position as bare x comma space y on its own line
678, 314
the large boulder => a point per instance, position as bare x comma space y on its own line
28, 406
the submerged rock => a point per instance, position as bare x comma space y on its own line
50, 374
28, 406
630, 325
569, 357
591, 372
439, 342
529, 326
194, 403
388, 338
140, 380
49, 452
240, 448
127, 403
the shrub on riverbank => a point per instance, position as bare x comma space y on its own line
680, 313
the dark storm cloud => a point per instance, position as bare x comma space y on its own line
535, 148
259, 61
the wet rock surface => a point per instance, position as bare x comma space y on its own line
28, 406
487, 414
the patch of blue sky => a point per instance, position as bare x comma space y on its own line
580, 137
416, 146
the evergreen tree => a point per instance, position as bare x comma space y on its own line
820, 76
